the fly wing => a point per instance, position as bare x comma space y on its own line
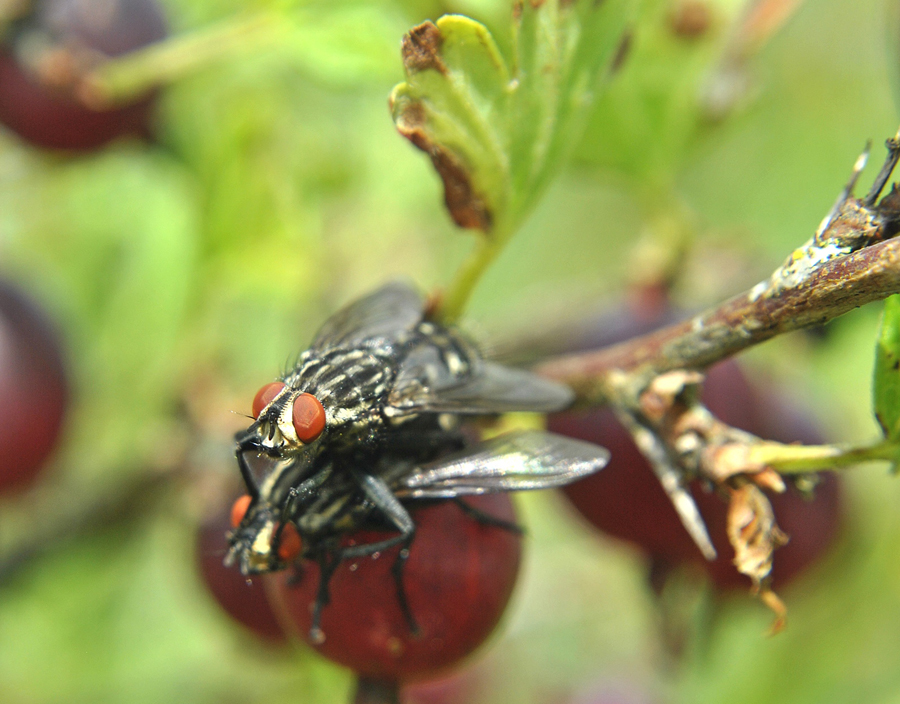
381, 317
515, 461
487, 388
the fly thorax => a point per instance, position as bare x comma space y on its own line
351, 384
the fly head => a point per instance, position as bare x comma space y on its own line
287, 420
250, 543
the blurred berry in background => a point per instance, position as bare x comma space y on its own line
34, 389
45, 60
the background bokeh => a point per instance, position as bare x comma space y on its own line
186, 272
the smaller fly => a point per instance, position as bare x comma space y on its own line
369, 423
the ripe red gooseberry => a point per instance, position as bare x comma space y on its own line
458, 580
242, 599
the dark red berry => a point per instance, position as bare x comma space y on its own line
626, 501
33, 389
458, 580
242, 599
46, 53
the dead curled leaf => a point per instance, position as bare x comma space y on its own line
776, 605
421, 50
466, 208
665, 390
752, 531
755, 536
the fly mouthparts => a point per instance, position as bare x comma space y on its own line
249, 439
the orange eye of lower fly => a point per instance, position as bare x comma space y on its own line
290, 544
239, 510
265, 396
308, 417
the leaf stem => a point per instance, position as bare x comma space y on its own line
799, 459
123, 78
486, 250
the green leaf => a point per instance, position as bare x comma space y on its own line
886, 391
497, 129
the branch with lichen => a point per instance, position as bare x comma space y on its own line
827, 290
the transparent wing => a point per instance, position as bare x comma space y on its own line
487, 388
512, 462
382, 316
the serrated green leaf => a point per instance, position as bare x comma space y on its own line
886, 388
497, 130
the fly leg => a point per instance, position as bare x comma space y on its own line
298, 496
384, 499
246, 472
328, 560
302, 493
330, 555
486, 518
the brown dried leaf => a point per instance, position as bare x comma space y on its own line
755, 536
768, 478
421, 49
753, 532
665, 389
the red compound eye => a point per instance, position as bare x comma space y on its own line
290, 545
239, 510
309, 417
265, 396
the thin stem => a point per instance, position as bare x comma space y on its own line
884, 175
123, 78
372, 691
469, 274
799, 459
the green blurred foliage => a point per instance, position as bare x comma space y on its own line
886, 383
187, 272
